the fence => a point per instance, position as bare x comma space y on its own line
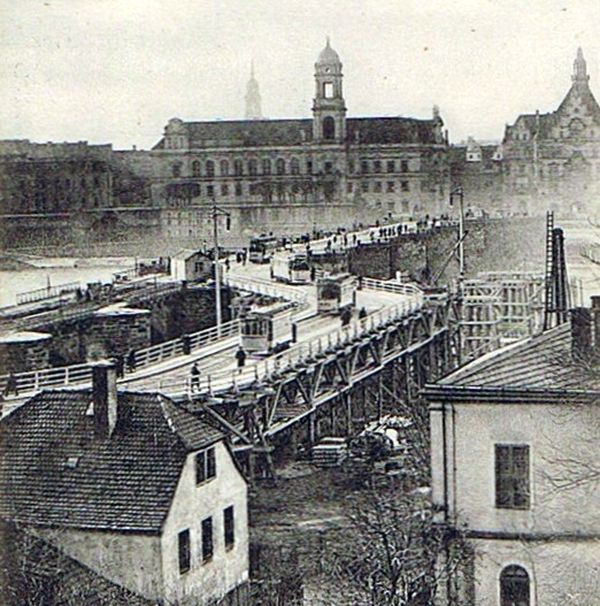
49, 292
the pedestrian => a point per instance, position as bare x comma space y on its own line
120, 366
11, 385
362, 313
227, 264
131, 364
240, 356
195, 376
346, 316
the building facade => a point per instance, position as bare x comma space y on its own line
514, 465
141, 491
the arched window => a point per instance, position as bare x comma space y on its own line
176, 169
280, 166
196, 168
210, 168
238, 168
224, 168
328, 128
514, 586
266, 166
252, 167
295, 166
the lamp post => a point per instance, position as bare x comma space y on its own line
216, 213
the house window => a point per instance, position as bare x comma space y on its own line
404, 166
377, 166
391, 166
207, 539
254, 189
238, 168
364, 167
328, 90
266, 166
309, 167
238, 189
196, 168
365, 186
183, 548
210, 191
229, 527
350, 187
295, 166
328, 128
210, 168
224, 168
224, 189
514, 586
377, 187
176, 170
252, 167
328, 168
205, 465
512, 476
404, 186
390, 186
280, 166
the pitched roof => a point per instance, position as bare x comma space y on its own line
260, 133
54, 471
543, 361
582, 92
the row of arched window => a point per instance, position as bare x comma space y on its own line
239, 168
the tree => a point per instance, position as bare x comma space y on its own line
394, 554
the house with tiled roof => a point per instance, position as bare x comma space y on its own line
551, 159
514, 456
132, 486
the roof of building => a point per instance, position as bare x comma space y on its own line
260, 133
328, 55
187, 253
543, 361
55, 471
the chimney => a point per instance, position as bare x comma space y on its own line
581, 333
104, 396
596, 325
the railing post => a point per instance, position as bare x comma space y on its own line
67, 377
36, 379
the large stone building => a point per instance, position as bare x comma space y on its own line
328, 169
515, 466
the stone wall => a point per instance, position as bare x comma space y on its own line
23, 355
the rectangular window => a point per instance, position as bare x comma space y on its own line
183, 546
207, 539
512, 476
350, 187
377, 166
238, 189
224, 189
365, 186
404, 166
391, 166
309, 167
229, 527
390, 186
404, 186
328, 168
210, 191
205, 465
377, 187
364, 167
328, 90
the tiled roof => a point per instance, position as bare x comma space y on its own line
584, 94
540, 362
54, 471
29, 563
260, 133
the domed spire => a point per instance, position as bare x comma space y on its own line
580, 68
328, 55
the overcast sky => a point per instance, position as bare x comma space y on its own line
114, 71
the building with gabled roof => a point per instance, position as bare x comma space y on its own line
140, 490
515, 463
551, 159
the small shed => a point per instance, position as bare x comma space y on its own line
191, 265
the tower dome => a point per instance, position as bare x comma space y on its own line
328, 55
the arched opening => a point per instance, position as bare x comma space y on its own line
328, 128
514, 586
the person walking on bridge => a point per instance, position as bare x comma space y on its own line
240, 356
195, 378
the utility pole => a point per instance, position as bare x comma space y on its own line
458, 192
216, 213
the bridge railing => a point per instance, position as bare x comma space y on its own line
265, 287
233, 378
391, 286
49, 292
35, 380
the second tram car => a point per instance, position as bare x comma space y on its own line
261, 248
290, 268
335, 292
267, 329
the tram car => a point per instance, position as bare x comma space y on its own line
267, 329
335, 293
290, 268
261, 248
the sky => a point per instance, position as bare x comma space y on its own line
115, 71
